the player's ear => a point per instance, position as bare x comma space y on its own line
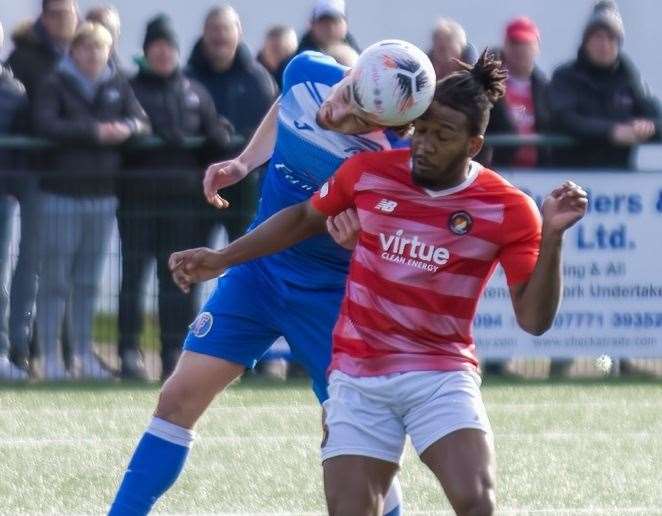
475, 145
404, 131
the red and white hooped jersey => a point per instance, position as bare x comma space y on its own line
422, 261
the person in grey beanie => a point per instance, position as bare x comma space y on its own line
601, 99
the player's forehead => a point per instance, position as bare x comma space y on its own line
443, 117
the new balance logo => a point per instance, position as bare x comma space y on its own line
386, 206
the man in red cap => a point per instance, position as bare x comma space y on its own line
524, 109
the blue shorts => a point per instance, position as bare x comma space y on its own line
247, 312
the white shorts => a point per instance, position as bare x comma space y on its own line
371, 416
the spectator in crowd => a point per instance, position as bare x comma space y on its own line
109, 17
161, 197
449, 42
243, 92
12, 103
328, 26
343, 54
242, 89
280, 44
600, 98
88, 108
524, 110
38, 47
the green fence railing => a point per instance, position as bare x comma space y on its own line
22, 142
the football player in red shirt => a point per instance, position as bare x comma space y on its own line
434, 225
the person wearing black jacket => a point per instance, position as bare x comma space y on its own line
12, 105
162, 207
89, 109
601, 100
524, 110
38, 47
242, 90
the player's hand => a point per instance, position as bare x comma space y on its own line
344, 228
221, 175
564, 207
194, 266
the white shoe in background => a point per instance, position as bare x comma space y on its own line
11, 372
88, 367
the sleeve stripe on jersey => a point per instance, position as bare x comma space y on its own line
317, 93
310, 89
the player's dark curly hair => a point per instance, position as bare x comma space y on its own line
473, 90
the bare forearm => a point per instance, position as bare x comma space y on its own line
539, 299
284, 229
261, 146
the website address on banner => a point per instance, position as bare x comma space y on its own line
649, 346
645, 341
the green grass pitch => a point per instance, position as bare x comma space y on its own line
576, 447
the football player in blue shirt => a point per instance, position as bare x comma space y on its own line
326, 113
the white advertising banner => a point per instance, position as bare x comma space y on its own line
612, 268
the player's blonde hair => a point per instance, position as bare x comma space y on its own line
92, 32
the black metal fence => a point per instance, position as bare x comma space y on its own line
83, 268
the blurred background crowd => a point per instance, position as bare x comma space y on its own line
92, 146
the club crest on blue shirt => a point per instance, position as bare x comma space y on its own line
460, 223
202, 324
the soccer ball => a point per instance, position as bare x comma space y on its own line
394, 81
604, 364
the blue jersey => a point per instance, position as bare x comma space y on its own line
305, 156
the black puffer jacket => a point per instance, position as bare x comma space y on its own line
178, 107
12, 114
34, 56
243, 94
587, 102
501, 122
82, 166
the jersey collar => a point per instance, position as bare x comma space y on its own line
474, 168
